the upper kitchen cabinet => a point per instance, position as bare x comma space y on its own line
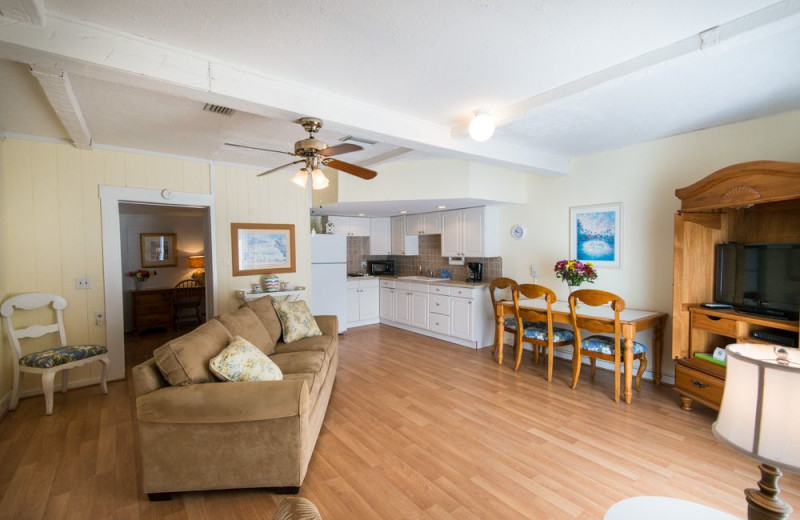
470, 232
350, 226
403, 244
424, 224
380, 237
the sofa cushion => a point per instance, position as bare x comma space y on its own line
312, 366
246, 324
296, 320
184, 360
243, 361
265, 311
322, 343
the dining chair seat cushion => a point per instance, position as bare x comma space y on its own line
511, 323
605, 345
538, 330
61, 355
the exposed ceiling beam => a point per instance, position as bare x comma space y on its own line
79, 47
25, 11
385, 156
58, 89
765, 22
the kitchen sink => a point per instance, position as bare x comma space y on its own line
421, 279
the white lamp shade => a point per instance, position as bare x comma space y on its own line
758, 415
481, 128
318, 180
300, 178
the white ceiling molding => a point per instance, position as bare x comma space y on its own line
26, 11
167, 69
58, 90
760, 24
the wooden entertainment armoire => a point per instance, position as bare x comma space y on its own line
752, 202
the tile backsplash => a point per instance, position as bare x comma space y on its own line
430, 257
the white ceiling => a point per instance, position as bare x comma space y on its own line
562, 78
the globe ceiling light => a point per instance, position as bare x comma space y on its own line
318, 180
300, 178
481, 128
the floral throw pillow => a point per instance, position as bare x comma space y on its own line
243, 361
296, 320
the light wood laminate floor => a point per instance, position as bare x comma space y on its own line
416, 428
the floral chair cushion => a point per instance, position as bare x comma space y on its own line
605, 345
296, 320
511, 323
61, 355
243, 361
538, 330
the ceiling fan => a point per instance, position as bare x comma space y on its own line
315, 153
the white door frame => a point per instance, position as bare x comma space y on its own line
110, 197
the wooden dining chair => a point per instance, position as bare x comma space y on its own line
599, 346
187, 294
537, 325
57, 357
504, 286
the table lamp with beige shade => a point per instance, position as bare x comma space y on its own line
758, 417
198, 262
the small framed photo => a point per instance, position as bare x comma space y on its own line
262, 248
596, 234
159, 249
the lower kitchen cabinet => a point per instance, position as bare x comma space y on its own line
461, 315
363, 305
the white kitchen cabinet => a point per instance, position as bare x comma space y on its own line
419, 309
380, 237
350, 226
461, 318
387, 303
362, 302
470, 232
403, 244
402, 306
424, 224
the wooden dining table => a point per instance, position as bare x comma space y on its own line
631, 322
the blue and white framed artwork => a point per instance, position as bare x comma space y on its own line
596, 234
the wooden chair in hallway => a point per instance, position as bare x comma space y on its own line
48, 362
537, 325
502, 289
602, 347
187, 294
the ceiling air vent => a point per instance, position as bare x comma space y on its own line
358, 140
218, 109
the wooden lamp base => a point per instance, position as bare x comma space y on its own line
763, 503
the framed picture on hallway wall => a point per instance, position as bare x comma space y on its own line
158, 249
596, 234
262, 248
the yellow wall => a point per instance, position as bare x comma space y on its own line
644, 178
50, 227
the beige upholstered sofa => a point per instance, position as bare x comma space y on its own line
197, 433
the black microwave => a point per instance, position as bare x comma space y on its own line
379, 267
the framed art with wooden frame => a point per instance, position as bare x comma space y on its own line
158, 249
596, 234
262, 248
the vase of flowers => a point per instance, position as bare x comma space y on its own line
575, 272
141, 276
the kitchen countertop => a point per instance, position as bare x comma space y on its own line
437, 281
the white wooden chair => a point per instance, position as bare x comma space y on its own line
47, 362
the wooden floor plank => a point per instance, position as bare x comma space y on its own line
416, 429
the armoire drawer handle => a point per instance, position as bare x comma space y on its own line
699, 384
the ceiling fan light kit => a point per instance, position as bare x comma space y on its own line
481, 128
315, 154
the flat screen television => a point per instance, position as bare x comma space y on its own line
760, 279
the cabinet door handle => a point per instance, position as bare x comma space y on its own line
699, 384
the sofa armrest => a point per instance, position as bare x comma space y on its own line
329, 325
147, 378
209, 403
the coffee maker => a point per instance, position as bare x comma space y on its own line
475, 271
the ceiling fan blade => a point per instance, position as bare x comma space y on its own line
280, 168
340, 149
352, 169
257, 148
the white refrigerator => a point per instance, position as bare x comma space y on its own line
329, 276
